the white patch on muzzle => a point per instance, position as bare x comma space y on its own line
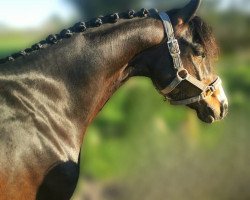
222, 96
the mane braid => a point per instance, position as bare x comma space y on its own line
77, 28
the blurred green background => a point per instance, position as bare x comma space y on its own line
140, 147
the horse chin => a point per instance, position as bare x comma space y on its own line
207, 115
208, 119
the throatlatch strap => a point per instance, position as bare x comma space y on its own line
167, 25
173, 45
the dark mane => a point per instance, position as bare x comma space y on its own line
202, 31
77, 28
203, 34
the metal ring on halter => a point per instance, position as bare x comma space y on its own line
177, 80
183, 73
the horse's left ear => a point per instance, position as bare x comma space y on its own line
187, 13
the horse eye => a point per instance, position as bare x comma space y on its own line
199, 51
203, 55
200, 54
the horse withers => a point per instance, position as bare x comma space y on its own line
51, 92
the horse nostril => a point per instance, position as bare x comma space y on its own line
224, 109
225, 105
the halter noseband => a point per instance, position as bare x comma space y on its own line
181, 73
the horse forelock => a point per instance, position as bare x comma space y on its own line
204, 35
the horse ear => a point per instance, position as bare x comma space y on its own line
187, 13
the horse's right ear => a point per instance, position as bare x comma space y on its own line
185, 14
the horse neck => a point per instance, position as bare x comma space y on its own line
111, 48
92, 66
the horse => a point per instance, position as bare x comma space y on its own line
51, 92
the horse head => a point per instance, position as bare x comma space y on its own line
182, 65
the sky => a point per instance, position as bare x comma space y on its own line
32, 13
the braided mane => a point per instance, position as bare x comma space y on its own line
77, 28
201, 30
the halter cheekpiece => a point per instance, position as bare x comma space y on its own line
181, 73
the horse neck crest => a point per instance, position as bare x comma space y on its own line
77, 28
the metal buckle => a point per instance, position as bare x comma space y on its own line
212, 87
210, 90
173, 47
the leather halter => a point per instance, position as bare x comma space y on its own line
181, 73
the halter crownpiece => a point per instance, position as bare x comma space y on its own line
181, 73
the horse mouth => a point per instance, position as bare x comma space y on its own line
207, 118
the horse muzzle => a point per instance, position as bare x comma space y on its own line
212, 110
